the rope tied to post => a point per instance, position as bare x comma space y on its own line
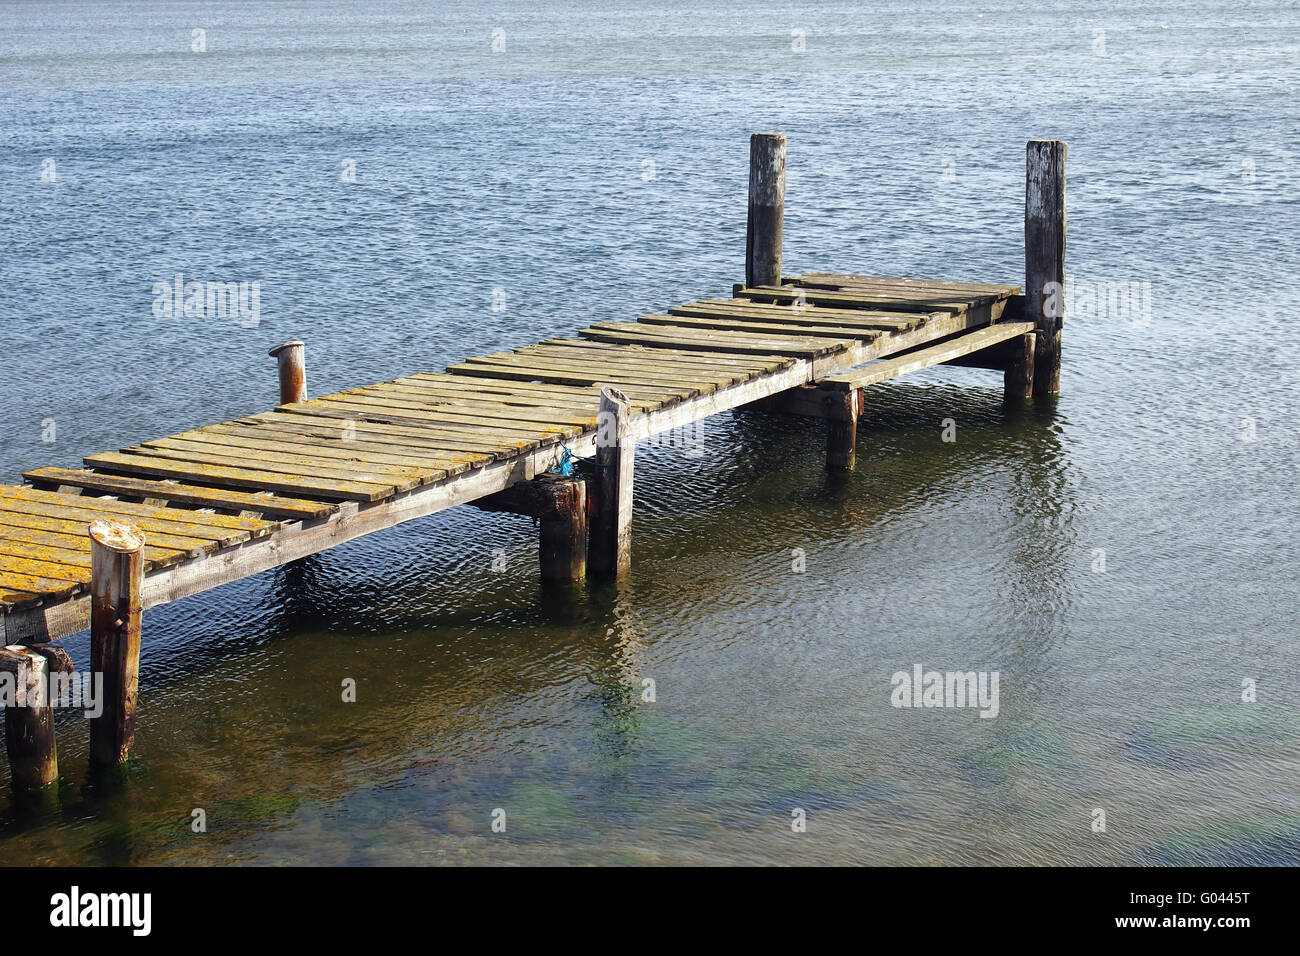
604, 433
565, 465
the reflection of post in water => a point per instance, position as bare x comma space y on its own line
1044, 497
297, 591
616, 669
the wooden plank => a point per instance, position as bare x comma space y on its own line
652, 335
267, 504
926, 357
492, 409
863, 299
83, 516
754, 364
461, 398
495, 408
884, 316
304, 436
296, 485
444, 415
389, 435
34, 567
393, 421
757, 326
50, 555
500, 397
593, 366
214, 524
672, 374
520, 387
15, 543
436, 396
375, 427
936, 329
643, 395
908, 283
78, 541
53, 587
888, 294
522, 390
75, 527
416, 397
321, 459
788, 342
346, 455
647, 371
388, 412
517, 373
722, 341
203, 454
811, 315
707, 364
926, 286
13, 599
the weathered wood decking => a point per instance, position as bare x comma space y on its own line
168, 518
224, 501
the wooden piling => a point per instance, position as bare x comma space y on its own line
1018, 376
1045, 258
559, 504
292, 357
842, 429
563, 537
610, 551
116, 576
766, 209
29, 729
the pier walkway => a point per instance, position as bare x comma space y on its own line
224, 501
158, 521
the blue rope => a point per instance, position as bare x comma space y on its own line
565, 465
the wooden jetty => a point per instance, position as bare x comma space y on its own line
136, 528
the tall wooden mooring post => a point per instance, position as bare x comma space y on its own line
1030, 363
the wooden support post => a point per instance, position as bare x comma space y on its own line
1045, 258
563, 538
840, 408
116, 575
293, 371
842, 429
559, 504
766, 209
29, 721
1018, 377
611, 526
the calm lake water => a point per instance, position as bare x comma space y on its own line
594, 169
